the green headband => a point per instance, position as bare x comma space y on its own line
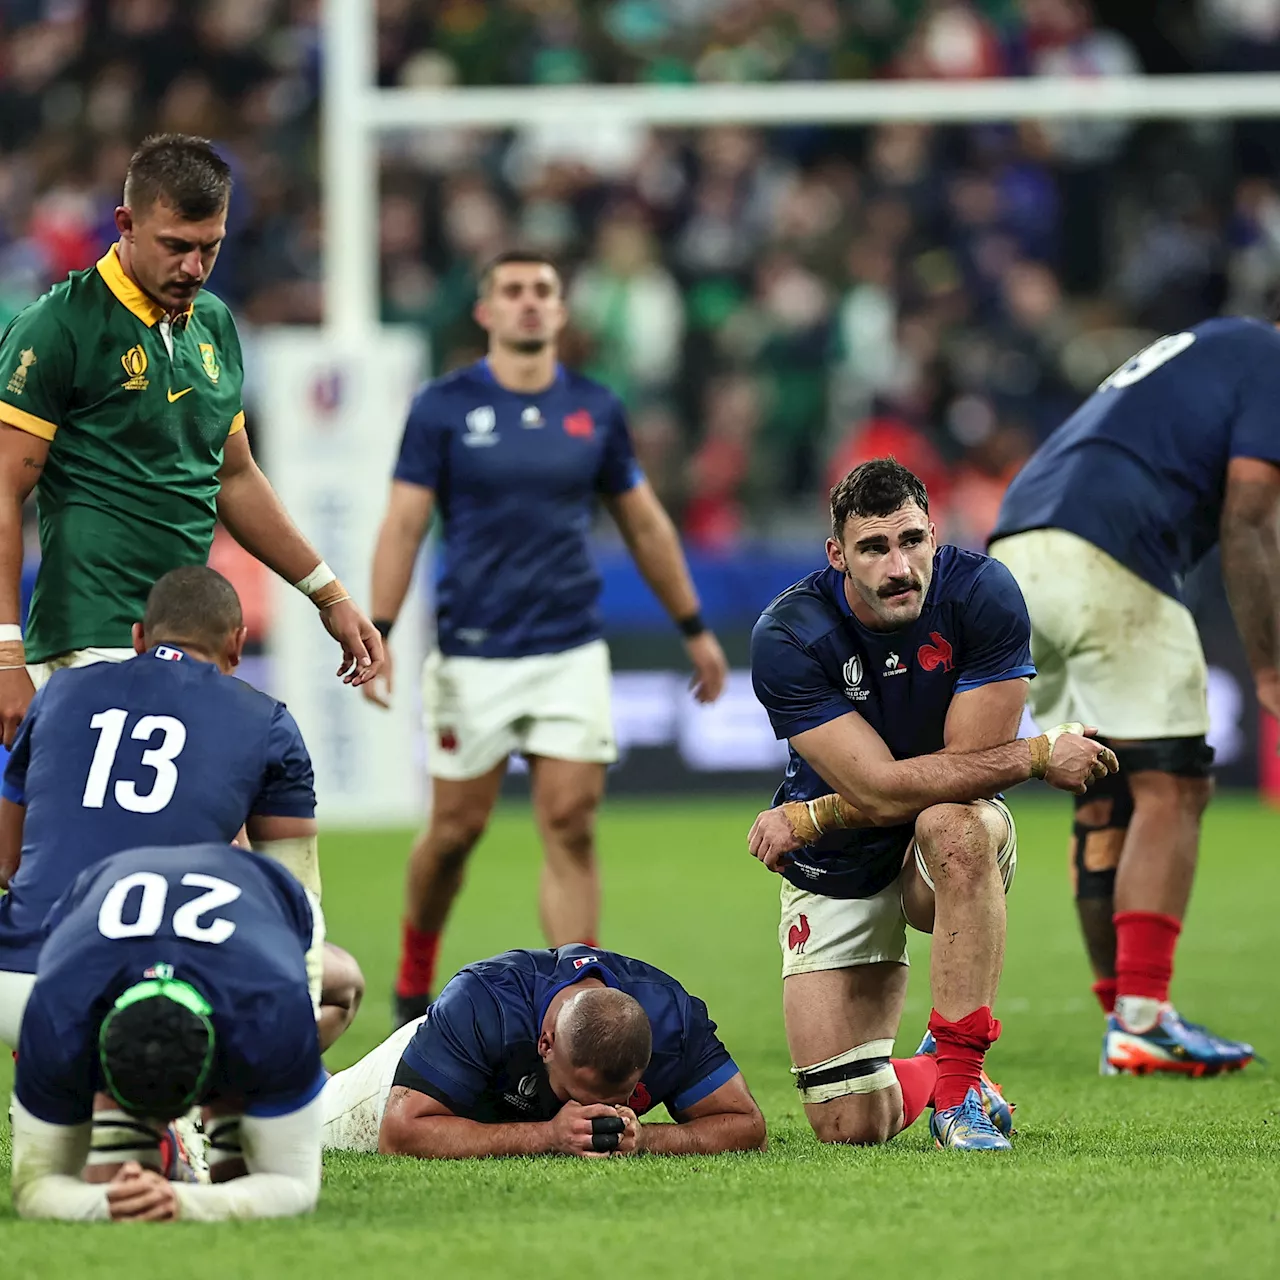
181, 993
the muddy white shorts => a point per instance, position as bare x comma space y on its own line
818, 932
1110, 649
41, 671
352, 1101
477, 711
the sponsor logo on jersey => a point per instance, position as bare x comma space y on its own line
935, 655
853, 680
893, 665
209, 361
135, 365
18, 381
532, 417
480, 426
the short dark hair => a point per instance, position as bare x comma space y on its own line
609, 1032
533, 256
155, 1056
193, 603
183, 171
875, 488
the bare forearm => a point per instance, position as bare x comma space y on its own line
707, 1135
10, 558
453, 1138
1251, 571
656, 549
393, 561
256, 518
896, 792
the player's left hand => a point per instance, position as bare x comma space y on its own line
709, 666
136, 1194
362, 651
773, 839
629, 1143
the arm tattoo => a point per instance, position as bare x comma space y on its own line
1251, 570
32, 464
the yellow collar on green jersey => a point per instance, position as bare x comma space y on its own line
142, 304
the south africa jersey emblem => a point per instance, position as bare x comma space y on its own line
209, 359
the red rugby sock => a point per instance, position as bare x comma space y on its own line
917, 1077
1145, 942
1105, 990
417, 961
962, 1045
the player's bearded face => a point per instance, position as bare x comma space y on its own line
170, 257
523, 308
887, 562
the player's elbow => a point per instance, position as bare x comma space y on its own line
750, 1132
398, 1135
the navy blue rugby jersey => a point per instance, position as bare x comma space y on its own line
477, 1051
1139, 469
812, 661
233, 924
516, 479
159, 750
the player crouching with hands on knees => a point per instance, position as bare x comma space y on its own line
172, 978
898, 675
545, 1053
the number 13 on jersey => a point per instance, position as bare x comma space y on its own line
110, 726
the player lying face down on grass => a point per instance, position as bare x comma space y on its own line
556, 1052
171, 978
160, 750
898, 675
121, 405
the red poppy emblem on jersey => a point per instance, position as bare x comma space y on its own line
448, 740
579, 424
935, 655
798, 934
640, 1101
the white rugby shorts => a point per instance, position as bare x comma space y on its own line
818, 932
477, 711
1110, 649
352, 1101
15, 991
41, 671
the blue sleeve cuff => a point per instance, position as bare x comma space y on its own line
267, 1108
462, 1095
705, 1087
783, 729
13, 793
1013, 673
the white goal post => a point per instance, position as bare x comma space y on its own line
356, 114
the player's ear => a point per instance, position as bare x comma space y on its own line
139, 638
480, 313
235, 647
835, 556
546, 1044
124, 220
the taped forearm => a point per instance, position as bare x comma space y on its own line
813, 818
47, 1162
300, 856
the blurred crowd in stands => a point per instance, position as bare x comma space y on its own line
773, 305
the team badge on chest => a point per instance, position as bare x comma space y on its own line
209, 361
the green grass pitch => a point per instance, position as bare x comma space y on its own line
1131, 1178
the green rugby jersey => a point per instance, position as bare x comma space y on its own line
136, 439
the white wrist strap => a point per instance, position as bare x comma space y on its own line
319, 577
10, 631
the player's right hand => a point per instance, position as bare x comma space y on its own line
570, 1130
16, 692
136, 1194
379, 689
1076, 759
773, 839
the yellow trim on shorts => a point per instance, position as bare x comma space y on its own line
27, 422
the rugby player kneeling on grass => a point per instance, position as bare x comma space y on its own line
543, 1053
172, 978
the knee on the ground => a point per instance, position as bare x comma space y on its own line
960, 841
866, 1120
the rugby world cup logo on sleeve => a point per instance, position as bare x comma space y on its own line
18, 382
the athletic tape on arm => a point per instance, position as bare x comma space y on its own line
299, 855
47, 1162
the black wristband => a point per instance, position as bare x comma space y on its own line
691, 626
383, 626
